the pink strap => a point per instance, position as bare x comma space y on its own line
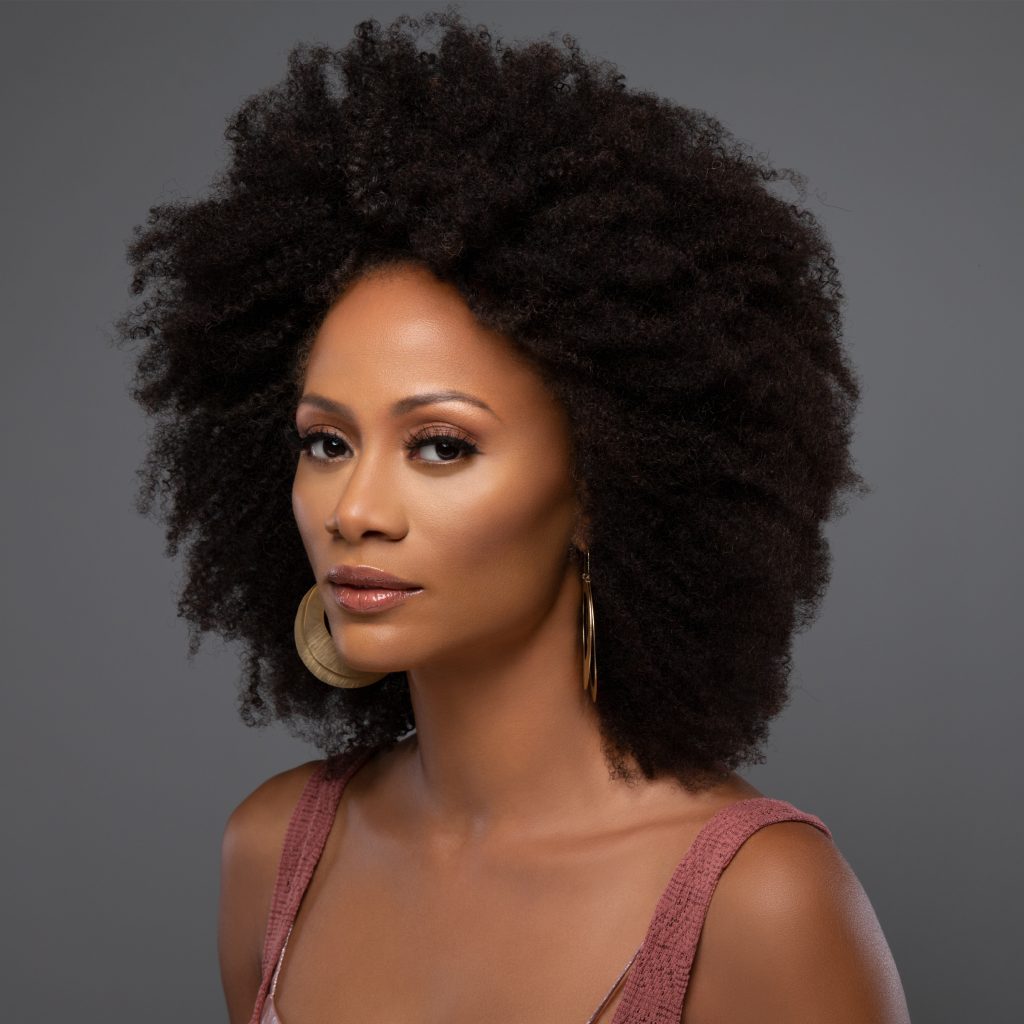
657, 983
304, 842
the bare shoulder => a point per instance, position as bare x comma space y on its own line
261, 817
250, 851
791, 919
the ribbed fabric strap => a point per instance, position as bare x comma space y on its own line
304, 842
657, 983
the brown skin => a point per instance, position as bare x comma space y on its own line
488, 867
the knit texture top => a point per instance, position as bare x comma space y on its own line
659, 971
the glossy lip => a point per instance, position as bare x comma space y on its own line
367, 576
370, 600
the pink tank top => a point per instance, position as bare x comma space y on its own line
655, 988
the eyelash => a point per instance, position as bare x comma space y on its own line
302, 443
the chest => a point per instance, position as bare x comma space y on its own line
536, 939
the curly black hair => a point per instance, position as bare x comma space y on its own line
687, 315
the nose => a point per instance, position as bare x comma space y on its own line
367, 501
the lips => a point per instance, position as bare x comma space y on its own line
362, 599
367, 577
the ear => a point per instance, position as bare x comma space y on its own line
581, 533
581, 530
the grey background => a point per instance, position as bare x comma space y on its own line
122, 761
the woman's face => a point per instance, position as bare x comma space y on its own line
486, 534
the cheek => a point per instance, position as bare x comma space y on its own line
502, 536
304, 510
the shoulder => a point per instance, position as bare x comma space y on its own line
259, 821
255, 829
790, 917
250, 851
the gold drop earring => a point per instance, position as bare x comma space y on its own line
589, 645
317, 650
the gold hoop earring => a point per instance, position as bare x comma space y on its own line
317, 650
588, 631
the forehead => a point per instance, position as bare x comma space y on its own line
395, 332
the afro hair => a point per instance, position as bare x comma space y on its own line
687, 315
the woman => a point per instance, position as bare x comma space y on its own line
553, 380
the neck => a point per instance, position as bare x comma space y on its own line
507, 740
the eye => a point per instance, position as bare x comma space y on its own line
450, 444
305, 444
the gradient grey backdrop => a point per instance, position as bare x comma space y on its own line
122, 760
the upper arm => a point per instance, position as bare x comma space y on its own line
791, 937
250, 851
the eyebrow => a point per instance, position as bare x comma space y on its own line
403, 405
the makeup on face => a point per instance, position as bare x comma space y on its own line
432, 451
